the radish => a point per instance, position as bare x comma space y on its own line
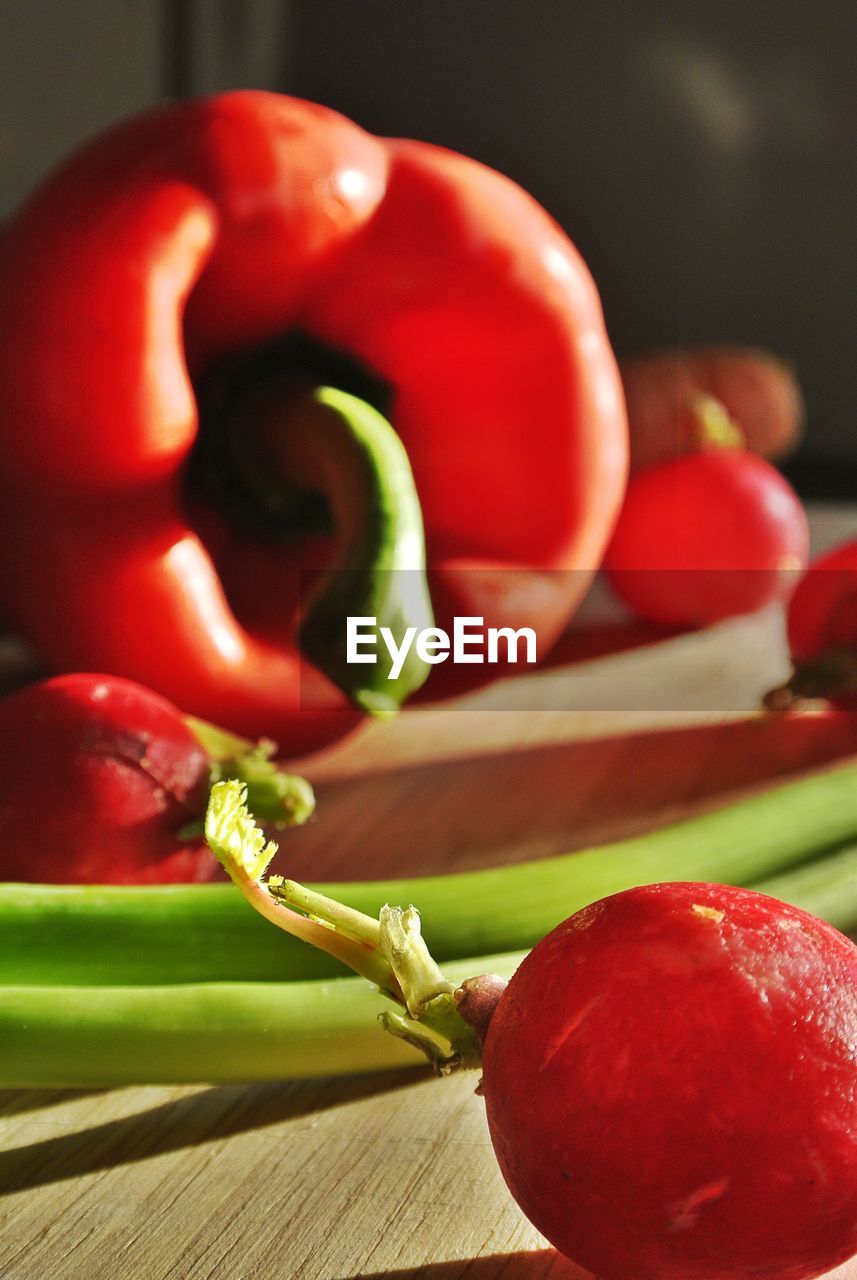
670, 1076
671, 1087
707, 536
822, 633
104, 781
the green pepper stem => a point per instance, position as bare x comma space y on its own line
329, 444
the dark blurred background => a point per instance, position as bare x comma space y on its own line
702, 155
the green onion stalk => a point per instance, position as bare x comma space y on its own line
156, 935
76, 1036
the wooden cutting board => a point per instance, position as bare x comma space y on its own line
392, 1176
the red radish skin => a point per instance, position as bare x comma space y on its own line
671, 1087
822, 627
707, 537
97, 776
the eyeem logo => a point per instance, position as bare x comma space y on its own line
470, 642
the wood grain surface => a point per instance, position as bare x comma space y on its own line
391, 1177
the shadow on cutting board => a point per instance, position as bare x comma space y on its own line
16, 1102
189, 1121
541, 1264
490, 809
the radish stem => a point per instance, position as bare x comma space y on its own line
283, 799
394, 955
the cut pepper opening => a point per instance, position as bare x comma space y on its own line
287, 455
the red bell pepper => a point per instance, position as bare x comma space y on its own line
173, 296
